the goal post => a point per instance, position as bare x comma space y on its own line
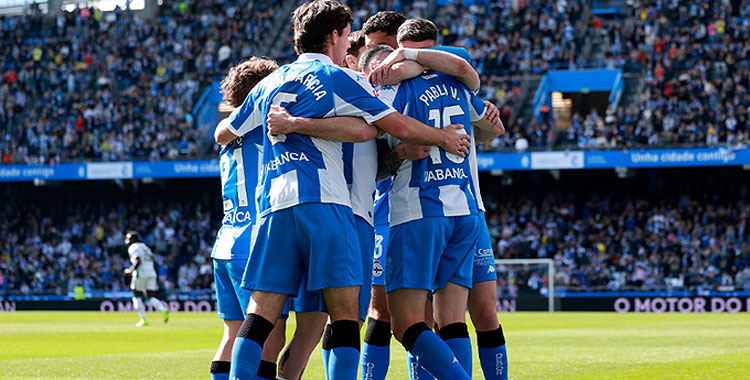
549, 263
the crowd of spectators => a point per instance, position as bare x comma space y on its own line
621, 238
609, 238
110, 86
51, 241
694, 57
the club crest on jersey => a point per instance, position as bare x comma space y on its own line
377, 268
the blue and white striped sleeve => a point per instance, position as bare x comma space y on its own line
354, 96
387, 94
247, 116
476, 106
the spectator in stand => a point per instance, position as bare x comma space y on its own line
109, 86
51, 244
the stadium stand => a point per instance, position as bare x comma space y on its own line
114, 101
694, 57
639, 234
610, 236
72, 91
51, 241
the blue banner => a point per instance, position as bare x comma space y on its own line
110, 170
610, 159
594, 159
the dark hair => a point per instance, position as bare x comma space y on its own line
417, 30
370, 54
243, 77
315, 21
133, 235
385, 21
356, 41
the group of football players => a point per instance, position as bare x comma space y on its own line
350, 194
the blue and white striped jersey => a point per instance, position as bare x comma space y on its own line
441, 184
361, 171
381, 202
463, 53
474, 165
239, 162
297, 168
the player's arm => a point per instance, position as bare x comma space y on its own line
357, 100
389, 160
430, 59
413, 131
340, 128
133, 266
223, 135
490, 126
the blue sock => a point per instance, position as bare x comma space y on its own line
375, 361
492, 354
326, 359
456, 336
461, 347
248, 347
245, 359
325, 347
376, 351
416, 371
220, 370
433, 354
343, 363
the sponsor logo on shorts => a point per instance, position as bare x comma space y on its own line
481, 252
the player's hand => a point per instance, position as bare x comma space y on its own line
492, 112
128, 271
280, 121
455, 142
380, 74
413, 152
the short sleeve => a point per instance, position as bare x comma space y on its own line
354, 96
247, 116
387, 94
461, 52
476, 106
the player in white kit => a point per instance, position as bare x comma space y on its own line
143, 282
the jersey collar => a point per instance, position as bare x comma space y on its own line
315, 57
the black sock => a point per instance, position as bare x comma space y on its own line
490, 339
267, 370
218, 366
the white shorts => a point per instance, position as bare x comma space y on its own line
142, 284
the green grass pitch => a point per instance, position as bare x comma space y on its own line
83, 345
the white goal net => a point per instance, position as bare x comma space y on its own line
526, 277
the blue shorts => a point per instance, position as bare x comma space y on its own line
231, 298
308, 301
428, 253
484, 256
315, 239
379, 257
